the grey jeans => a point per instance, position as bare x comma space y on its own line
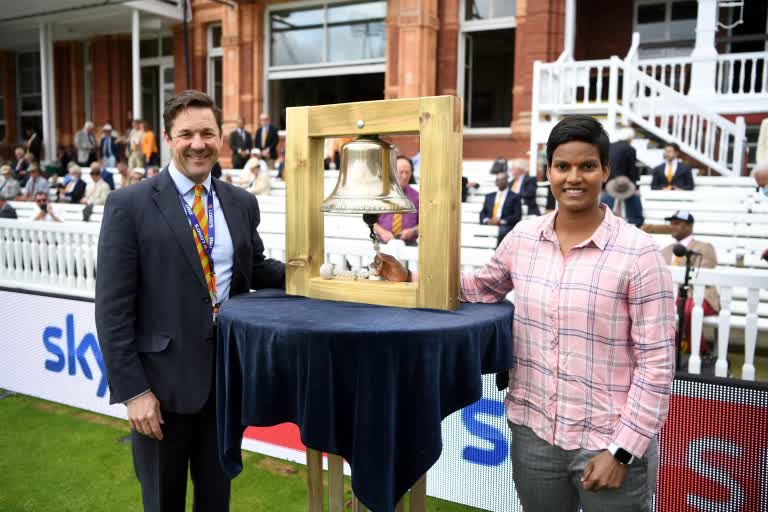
548, 478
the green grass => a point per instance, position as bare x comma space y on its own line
58, 458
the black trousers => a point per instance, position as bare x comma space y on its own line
189, 444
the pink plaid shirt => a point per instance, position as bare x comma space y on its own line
593, 332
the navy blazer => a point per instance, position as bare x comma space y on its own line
511, 211
114, 147
271, 142
683, 178
528, 191
153, 310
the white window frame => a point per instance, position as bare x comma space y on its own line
319, 69
213, 53
19, 96
477, 26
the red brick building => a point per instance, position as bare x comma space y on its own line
261, 55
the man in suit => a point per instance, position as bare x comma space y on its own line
85, 142
673, 174
623, 158
266, 140
681, 223
20, 163
74, 190
6, 210
240, 142
524, 185
502, 208
158, 290
109, 150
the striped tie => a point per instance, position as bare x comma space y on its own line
397, 223
669, 176
496, 206
202, 219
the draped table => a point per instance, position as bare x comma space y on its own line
368, 383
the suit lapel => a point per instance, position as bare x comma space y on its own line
167, 199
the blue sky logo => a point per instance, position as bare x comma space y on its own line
71, 355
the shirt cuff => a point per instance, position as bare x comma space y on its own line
137, 396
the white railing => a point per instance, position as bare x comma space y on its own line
592, 87
727, 281
701, 133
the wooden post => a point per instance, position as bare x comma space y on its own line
335, 483
314, 480
419, 495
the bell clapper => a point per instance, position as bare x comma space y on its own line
371, 219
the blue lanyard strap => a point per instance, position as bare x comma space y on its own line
206, 244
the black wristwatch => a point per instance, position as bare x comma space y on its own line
622, 456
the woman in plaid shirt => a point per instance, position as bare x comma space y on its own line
594, 338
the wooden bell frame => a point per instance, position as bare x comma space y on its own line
438, 120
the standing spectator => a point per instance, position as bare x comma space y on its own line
135, 156
9, 186
502, 208
259, 184
524, 185
85, 143
74, 190
623, 158
136, 176
97, 191
46, 213
109, 149
149, 145
681, 223
674, 174
123, 175
36, 183
266, 140
19, 162
6, 210
240, 142
403, 226
34, 143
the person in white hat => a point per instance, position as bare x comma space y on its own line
108, 147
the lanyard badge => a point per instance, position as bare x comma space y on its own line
207, 245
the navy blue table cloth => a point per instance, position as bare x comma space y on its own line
369, 383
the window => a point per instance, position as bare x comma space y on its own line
667, 27
154, 46
29, 93
487, 51
328, 34
215, 72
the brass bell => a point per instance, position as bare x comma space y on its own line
367, 180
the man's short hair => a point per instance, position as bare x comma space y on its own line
188, 99
673, 145
579, 128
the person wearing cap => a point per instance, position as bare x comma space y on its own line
74, 190
36, 182
97, 191
109, 150
624, 177
9, 186
85, 143
673, 174
681, 224
136, 176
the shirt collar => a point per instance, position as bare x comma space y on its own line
184, 184
687, 240
599, 238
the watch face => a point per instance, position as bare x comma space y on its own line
623, 456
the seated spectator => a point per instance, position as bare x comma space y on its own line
136, 176
9, 186
681, 223
499, 165
673, 174
46, 213
97, 191
123, 177
524, 185
35, 184
6, 210
74, 189
19, 163
280, 164
259, 184
403, 226
152, 171
502, 208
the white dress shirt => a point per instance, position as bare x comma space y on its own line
223, 250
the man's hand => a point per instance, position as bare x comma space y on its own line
603, 472
409, 234
144, 415
389, 268
493, 222
384, 235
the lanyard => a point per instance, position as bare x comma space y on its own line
206, 244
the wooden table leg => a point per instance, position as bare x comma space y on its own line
335, 483
314, 480
419, 495
400, 507
357, 506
